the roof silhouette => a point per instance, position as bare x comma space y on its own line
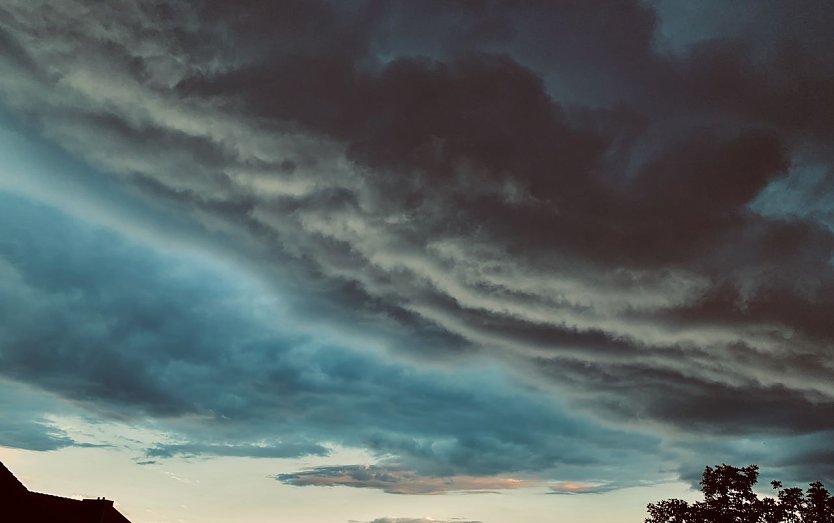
17, 503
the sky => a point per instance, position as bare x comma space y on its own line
400, 262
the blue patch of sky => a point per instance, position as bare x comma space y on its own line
805, 194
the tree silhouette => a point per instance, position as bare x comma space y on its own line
729, 498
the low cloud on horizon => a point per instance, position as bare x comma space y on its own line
413, 520
397, 480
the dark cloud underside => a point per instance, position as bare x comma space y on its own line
588, 192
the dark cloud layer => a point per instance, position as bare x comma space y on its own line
128, 333
589, 192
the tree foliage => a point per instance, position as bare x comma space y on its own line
729, 498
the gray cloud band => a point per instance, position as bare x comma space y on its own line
609, 242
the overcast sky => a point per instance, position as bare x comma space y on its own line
380, 261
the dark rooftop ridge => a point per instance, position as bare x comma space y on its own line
18, 503
8, 482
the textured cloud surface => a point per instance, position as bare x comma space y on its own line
397, 481
225, 372
624, 206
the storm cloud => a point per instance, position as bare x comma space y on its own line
124, 333
626, 205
